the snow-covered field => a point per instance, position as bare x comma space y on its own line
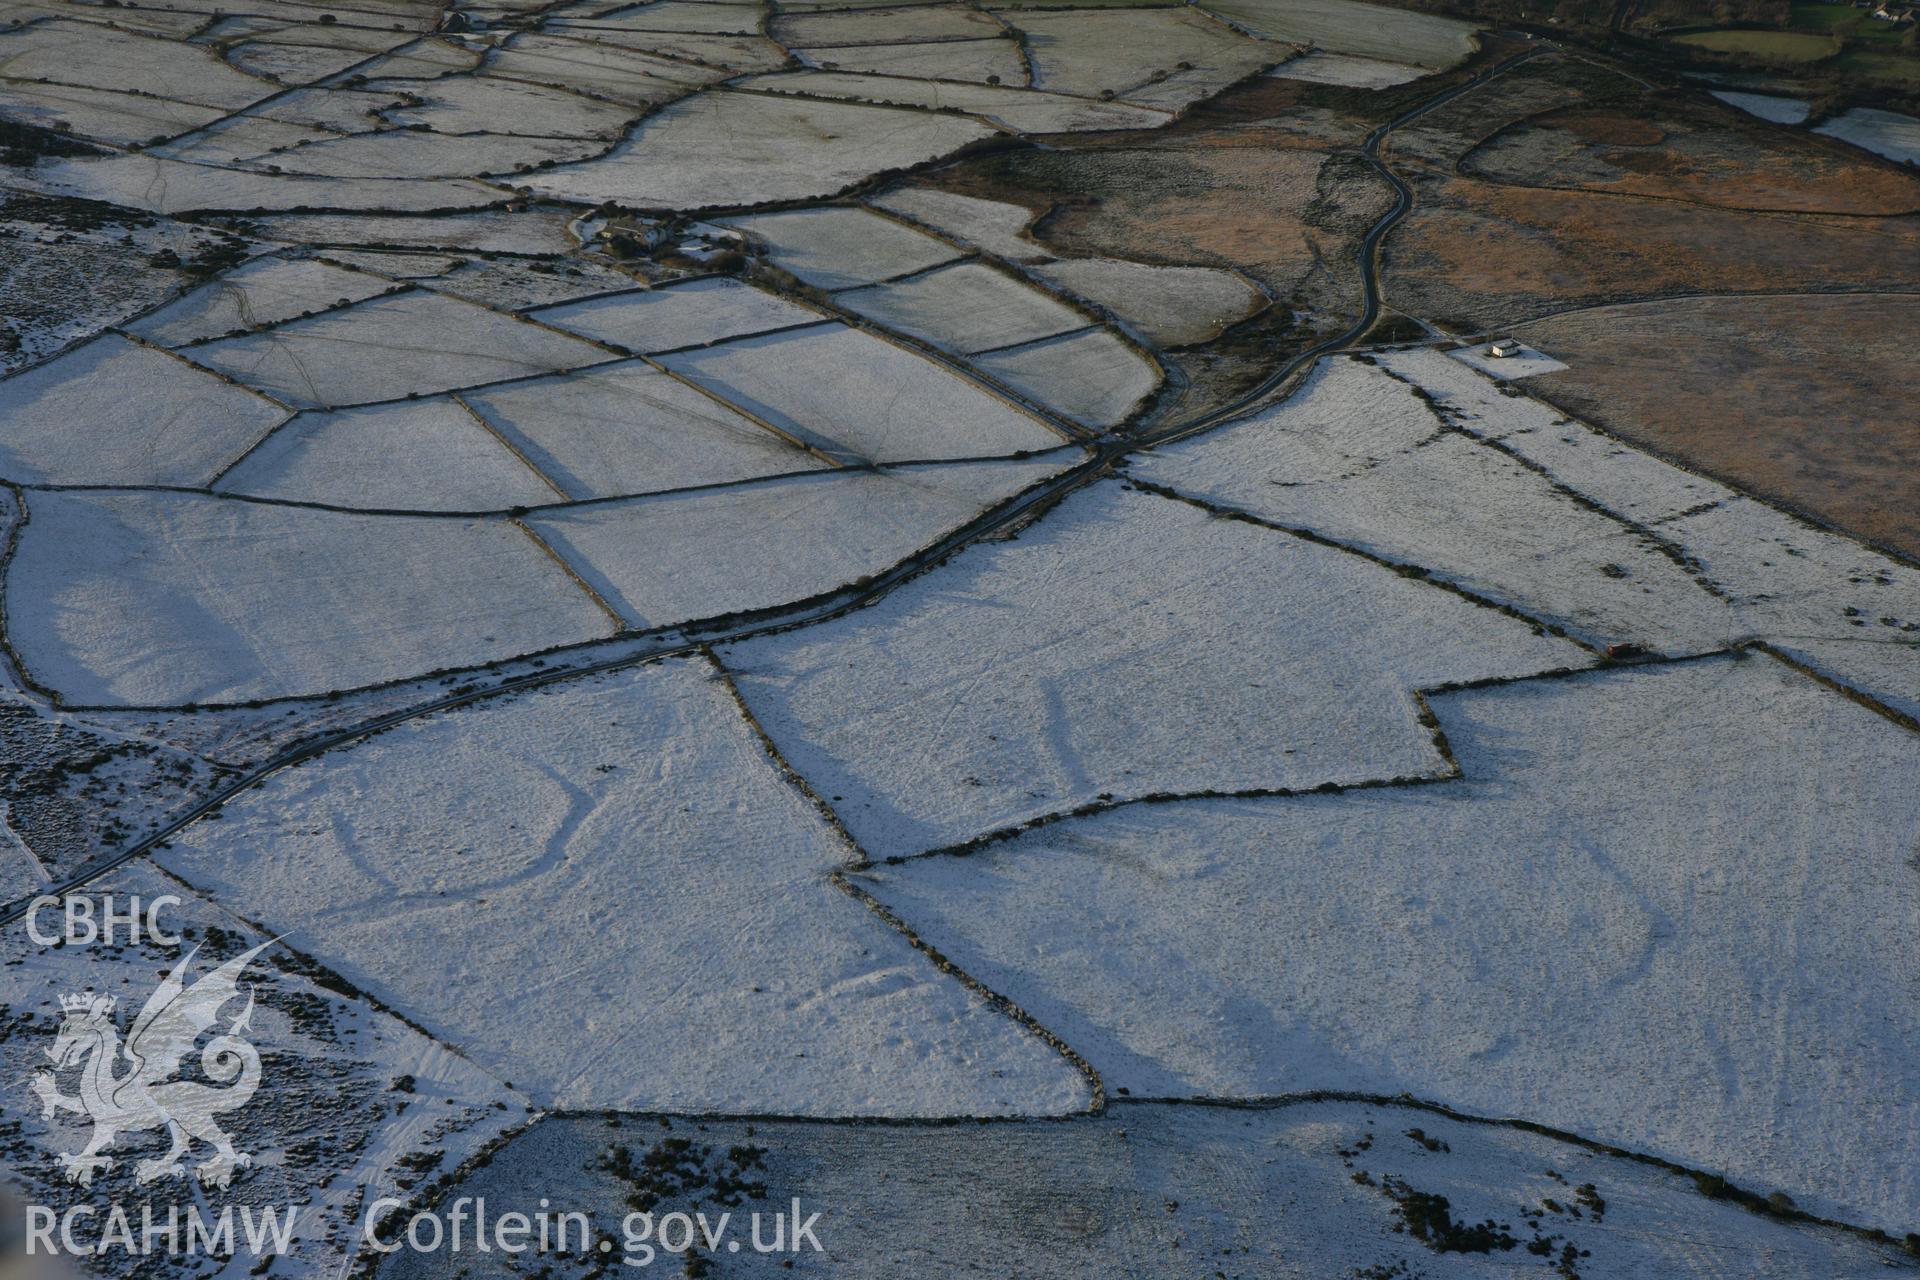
162, 185
728, 149
413, 455
1025, 110
1129, 51
163, 598
1889, 133
1170, 306
1768, 106
629, 428
965, 308
1623, 920
1347, 70
185, 425
428, 343
836, 247
1524, 363
1158, 650
263, 292
992, 226
1091, 377
1352, 27
857, 397
634, 532
1304, 1191
1361, 457
607, 894
1852, 612
665, 560
695, 314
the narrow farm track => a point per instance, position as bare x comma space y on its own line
1106, 454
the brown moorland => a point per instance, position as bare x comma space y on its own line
1807, 400
1680, 147
1475, 255
1288, 217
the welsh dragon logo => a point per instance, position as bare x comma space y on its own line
146, 1095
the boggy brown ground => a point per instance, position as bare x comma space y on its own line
1476, 255
1681, 147
1288, 216
1807, 400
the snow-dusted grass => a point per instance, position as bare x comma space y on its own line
1842, 607
1888, 133
114, 412
159, 185
1128, 645
238, 140
629, 429
412, 344
687, 315
403, 153
1596, 466
835, 247
335, 108
20, 876
1347, 70
624, 75
534, 234
398, 264
425, 60
1266, 1191
262, 292
1523, 364
1091, 51
486, 104
605, 892
300, 64
966, 308
742, 53
992, 226
328, 1129
720, 149
861, 398
130, 599
1179, 90
979, 61
92, 55
1171, 306
123, 119
687, 16
416, 455
1629, 919
1768, 106
1358, 457
883, 24
1847, 609
666, 560
1348, 26
71, 277
1091, 378
1022, 110
510, 286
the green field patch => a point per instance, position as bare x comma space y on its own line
1782, 46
